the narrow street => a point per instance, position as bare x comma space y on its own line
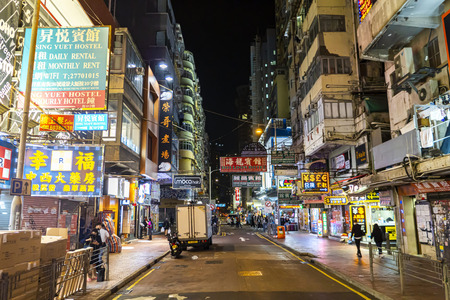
240, 265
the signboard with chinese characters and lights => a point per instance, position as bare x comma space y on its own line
9, 20
71, 68
364, 8
361, 156
56, 123
372, 197
165, 132
282, 157
335, 200
358, 216
241, 180
65, 171
91, 122
313, 183
243, 164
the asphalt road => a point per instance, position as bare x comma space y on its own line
240, 265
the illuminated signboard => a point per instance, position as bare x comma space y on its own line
9, 20
364, 8
372, 197
336, 200
91, 122
361, 156
65, 171
246, 180
325, 223
358, 216
313, 183
56, 123
70, 68
282, 157
5, 162
286, 184
165, 132
243, 164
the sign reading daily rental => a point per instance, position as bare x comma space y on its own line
70, 70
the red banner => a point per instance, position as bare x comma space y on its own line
432, 187
66, 100
53, 122
243, 164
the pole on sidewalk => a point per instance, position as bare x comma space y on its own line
371, 261
16, 204
445, 281
402, 271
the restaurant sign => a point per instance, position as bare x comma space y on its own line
70, 69
246, 181
313, 183
243, 164
65, 170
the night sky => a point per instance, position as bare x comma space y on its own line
219, 33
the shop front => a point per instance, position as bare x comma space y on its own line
336, 216
289, 216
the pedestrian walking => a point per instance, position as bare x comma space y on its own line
104, 234
357, 234
238, 222
166, 226
378, 236
149, 228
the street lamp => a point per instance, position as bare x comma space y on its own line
210, 172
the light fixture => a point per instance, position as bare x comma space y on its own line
163, 65
169, 78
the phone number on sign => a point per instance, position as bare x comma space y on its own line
81, 76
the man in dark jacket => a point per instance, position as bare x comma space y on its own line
166, 226
357, 234
377, 235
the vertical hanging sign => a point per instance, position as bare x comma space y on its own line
165, 132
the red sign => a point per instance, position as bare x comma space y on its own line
313, 201
212, 206
5, 163
243, 164
432, 187
54, 122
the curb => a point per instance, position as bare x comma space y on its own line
130, 277
310, 258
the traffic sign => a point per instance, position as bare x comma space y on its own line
20, 187
268, 204
212, 206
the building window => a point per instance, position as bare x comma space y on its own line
131, 130
338, 110
151, 145
184, 145
434, 54
332, 23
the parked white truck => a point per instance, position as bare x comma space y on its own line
194, 225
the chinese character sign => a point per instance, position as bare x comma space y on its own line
358, 213
9, 20
91, 122
316, 182
165, 133
64, 171
243, 164
5, 162
56, 123
70, 69
246, 180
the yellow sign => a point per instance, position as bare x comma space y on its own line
316, 183
336, 200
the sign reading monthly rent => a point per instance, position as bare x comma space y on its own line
65, 171
70, 70
165, 132
318, 182
9, 20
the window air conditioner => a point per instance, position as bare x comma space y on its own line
428, 91
404, 63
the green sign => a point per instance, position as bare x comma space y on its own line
282, 157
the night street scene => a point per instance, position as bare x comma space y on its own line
226, 149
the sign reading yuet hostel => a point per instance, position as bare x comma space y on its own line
70, 70
243, 164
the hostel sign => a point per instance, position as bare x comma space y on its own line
70, 70
243, 164
65, 171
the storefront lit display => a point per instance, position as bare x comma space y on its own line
65, 171
358, 216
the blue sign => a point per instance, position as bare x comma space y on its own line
91, 122
70, 69
65, 171
20, 187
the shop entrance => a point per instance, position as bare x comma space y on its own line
409, 224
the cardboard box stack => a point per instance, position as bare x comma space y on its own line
20, 254
52, 247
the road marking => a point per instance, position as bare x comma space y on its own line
136, 282
250, 273
242, 239
317, 269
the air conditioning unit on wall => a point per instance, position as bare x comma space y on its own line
404, 63
428, 91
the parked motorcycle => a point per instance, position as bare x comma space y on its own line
174, 244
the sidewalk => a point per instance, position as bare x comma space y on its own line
136, 257
340, 259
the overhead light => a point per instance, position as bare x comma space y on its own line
169, 78
163, 65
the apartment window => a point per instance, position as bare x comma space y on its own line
131, 130
433, 53
338, 110
332, 23
110, 135
336, 65
184, 145
151, 145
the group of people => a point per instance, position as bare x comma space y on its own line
258, 221
377, 235
147, 227
98, 238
